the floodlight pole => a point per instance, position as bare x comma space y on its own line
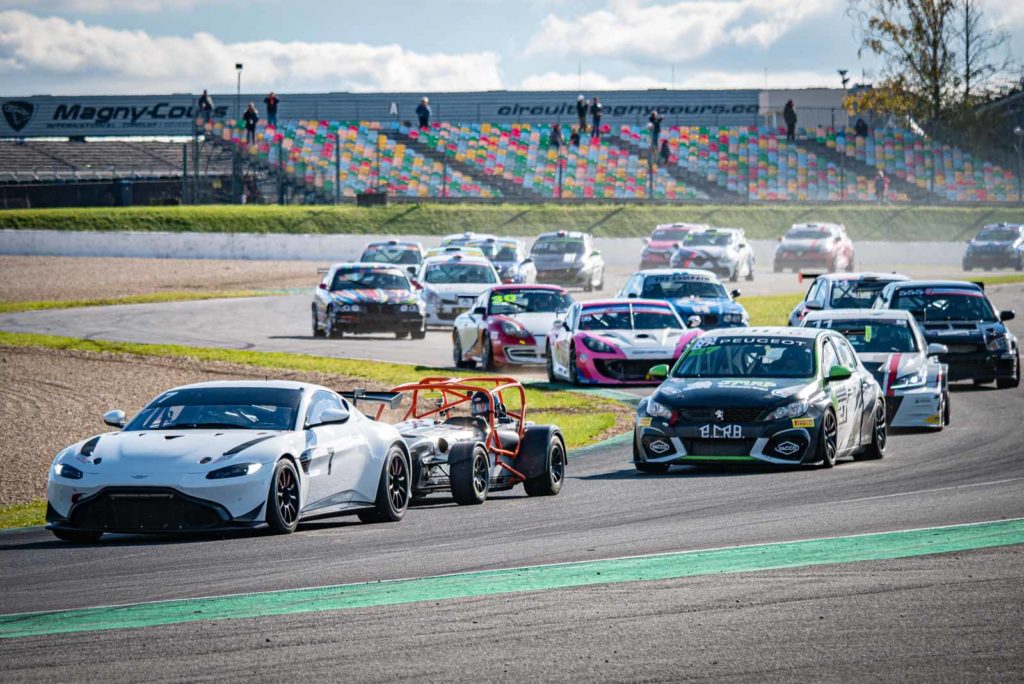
1018, 132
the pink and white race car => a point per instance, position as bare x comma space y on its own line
616, 342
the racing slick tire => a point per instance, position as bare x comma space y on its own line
1009, 383
544, 449
651, 468
967, 267
77, 536
750, 269
589, 285
600, 281
401, 334
317, 330
734, 274
828, 435
393, 490
487, 356
574, 371
978, 382
550, 366
457, 357
419, 334
776, 268
470, 472
879, 437
283, 498
331, 329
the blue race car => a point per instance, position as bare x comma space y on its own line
693, 293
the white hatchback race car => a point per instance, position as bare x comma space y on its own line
219, 456
451, 284
891, 345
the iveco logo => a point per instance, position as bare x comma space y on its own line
719, 414
659, 447
787, 448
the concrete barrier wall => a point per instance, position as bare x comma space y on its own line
619, 252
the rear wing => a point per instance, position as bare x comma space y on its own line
390, 399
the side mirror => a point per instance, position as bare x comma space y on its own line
813, 305
631, 295
331, 416
934, 349
114, 418
836, 373
735, 293
659, 372
323, 286
1007, 315
480, 311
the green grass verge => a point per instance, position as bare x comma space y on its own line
865, 222
150, 298
23, 515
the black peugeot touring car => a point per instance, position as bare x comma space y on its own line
786, 396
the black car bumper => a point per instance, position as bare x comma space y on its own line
780, 442
564, 276
994, 260
980, 365
149, 510
379, 321
815, 260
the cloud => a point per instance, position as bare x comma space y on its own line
697, 80
1006, 14
676, 32
80, 58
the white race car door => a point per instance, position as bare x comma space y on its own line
473, 327
336, 455
845, 398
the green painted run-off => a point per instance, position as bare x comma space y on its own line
883, 546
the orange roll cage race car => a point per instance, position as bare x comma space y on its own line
493, 449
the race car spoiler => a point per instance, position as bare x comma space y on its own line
391, 399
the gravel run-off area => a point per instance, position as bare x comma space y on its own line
33, 278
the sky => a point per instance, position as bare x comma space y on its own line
77, 47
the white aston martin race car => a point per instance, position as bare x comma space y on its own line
221, 456
891, 345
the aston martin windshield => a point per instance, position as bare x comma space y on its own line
748, 357
706, 240
221, 408
937, 305
512, 302
391, 255
455, 272
855, 294
369, 279
873, 336
627, 318
679, 287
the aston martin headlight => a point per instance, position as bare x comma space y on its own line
596, 345
514, 329
237, 470
912, 380
65, 470
791, 410
999, 343
658, 410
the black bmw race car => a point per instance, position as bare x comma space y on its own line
786, 396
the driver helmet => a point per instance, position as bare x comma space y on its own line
693, 321
480, 404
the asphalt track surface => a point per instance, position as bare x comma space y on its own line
951, 616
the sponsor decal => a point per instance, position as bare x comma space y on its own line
787, 448
659, 446
719, 414
721, 431
18, 113
783, 392
670, 391
747, 384
934, 419
699, 385
643, 422
803, 422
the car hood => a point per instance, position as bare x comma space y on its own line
894, 365
538, 323
731, 392
172, 451
453, 290
373, 297
643, 343
662, 245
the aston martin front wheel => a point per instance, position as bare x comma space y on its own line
283, 499
393, 491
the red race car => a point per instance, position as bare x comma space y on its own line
665, 239
508, 325
818, 246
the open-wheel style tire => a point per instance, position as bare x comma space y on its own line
828, 445
471, 478
549, 482
283, 499
77, 536
879, 437
393, 490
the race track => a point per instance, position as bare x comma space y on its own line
953, 616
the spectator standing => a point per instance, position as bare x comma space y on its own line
655, 120
881, 186
581, 113
574, 137
206, 106
272, 101
664, 152
595, 114
423, 112
555, 139
789, 116
861, 128
251, 118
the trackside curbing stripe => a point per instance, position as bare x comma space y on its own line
867, 547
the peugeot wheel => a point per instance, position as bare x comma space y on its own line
828, 439
283, 499
393, 490
879, 437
